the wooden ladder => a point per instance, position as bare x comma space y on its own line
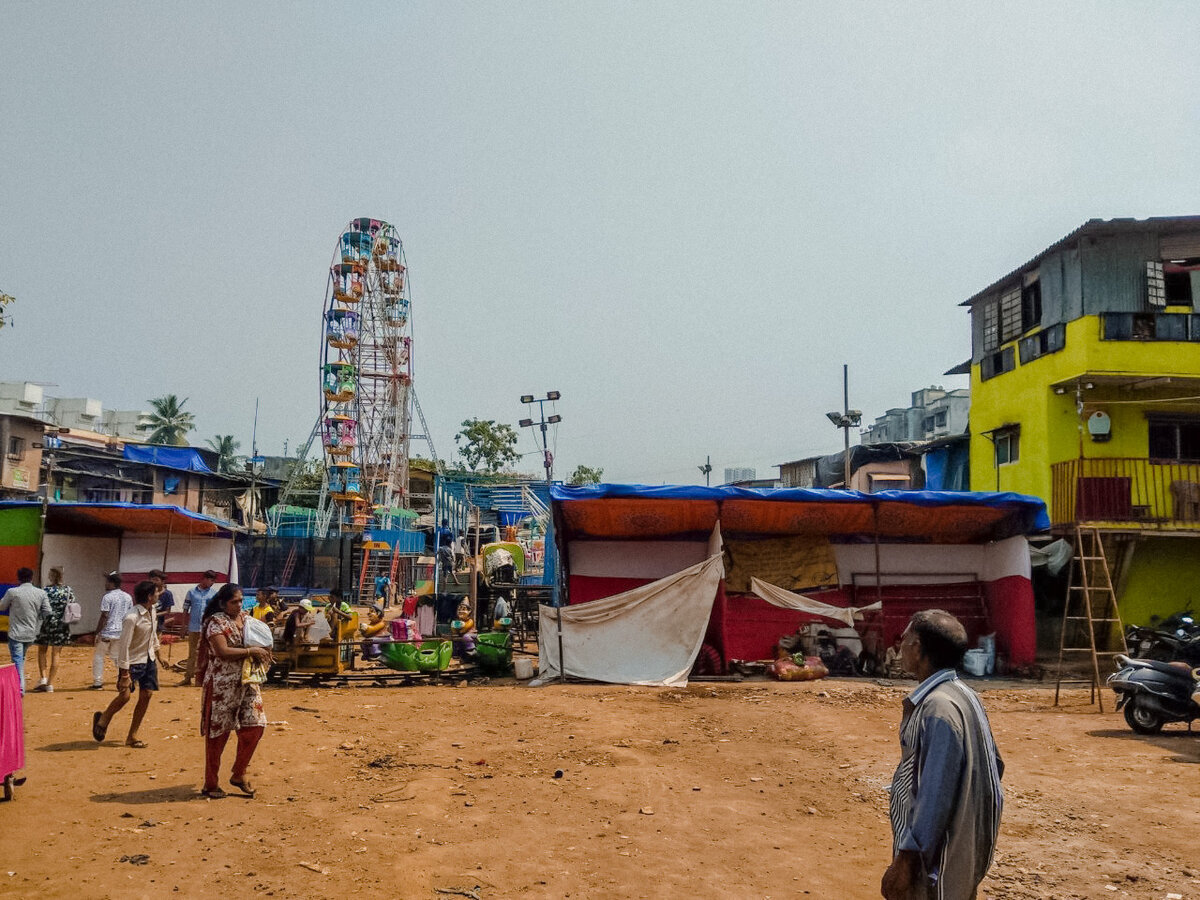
1092, 601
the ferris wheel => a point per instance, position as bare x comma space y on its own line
366, 379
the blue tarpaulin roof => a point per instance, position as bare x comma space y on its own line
635, 510
184, 458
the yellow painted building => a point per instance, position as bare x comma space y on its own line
1085, 391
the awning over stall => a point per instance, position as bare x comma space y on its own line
615, 511
85, 518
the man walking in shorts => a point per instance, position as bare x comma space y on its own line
137, 650
114, 607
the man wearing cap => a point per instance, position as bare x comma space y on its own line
193, 604
298, 622
114, 607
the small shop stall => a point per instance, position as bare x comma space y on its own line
738, 568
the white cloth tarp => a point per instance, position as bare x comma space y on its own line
650, 635
777, 596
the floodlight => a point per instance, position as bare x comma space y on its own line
835, 418
554, 420
525, 423
553, 395
527, 398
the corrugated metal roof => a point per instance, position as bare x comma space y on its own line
1095, 227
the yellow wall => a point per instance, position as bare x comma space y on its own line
1164, 577
1050, 427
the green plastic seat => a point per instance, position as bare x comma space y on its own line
401, 657
434, 656
494, 649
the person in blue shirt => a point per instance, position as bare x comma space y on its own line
193, 604
166, 600
444, 547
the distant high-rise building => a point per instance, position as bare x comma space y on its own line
738, 473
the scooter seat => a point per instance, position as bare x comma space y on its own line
1180, 670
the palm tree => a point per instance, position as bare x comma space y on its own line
168, 424
227, 452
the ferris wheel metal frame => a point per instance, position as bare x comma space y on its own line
366, 379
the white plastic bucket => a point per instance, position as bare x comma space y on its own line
975, 662
523, 667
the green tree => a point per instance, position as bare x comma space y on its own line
586, 475
306, 489
228, 459
169, 423
483, 442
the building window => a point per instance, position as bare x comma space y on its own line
1156, 289
1007, 442
1172, 283
1031, 303
991, 326
1174, 437
1149, 327
939, 420
997, 363
1010, 315
16, 448
1049, 340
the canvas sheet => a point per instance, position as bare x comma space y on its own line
650, 635
796, 562
777, 596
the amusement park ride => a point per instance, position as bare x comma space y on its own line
367, 395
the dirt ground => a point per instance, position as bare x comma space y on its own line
500, 790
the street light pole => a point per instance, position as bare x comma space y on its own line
543, 421
846, 427
845, 420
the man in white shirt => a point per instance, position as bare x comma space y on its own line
114, 607
136, 652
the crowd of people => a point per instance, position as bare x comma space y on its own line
946, 798
128, 633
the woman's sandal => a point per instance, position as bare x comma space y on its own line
98, 733
137, 745
244, 787
213, 794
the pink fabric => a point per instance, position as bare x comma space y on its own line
12, 723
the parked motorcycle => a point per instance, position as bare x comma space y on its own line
1153, 693
1181, 643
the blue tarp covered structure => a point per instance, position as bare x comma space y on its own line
185, 459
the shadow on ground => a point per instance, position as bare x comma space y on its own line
177, 793
1186, 744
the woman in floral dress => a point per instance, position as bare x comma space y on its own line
227, 704
55, 633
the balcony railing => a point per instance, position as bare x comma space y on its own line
1126, 492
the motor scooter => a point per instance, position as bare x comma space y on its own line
1153, 693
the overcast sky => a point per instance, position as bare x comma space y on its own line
683, 216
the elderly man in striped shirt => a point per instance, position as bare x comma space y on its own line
945, 796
